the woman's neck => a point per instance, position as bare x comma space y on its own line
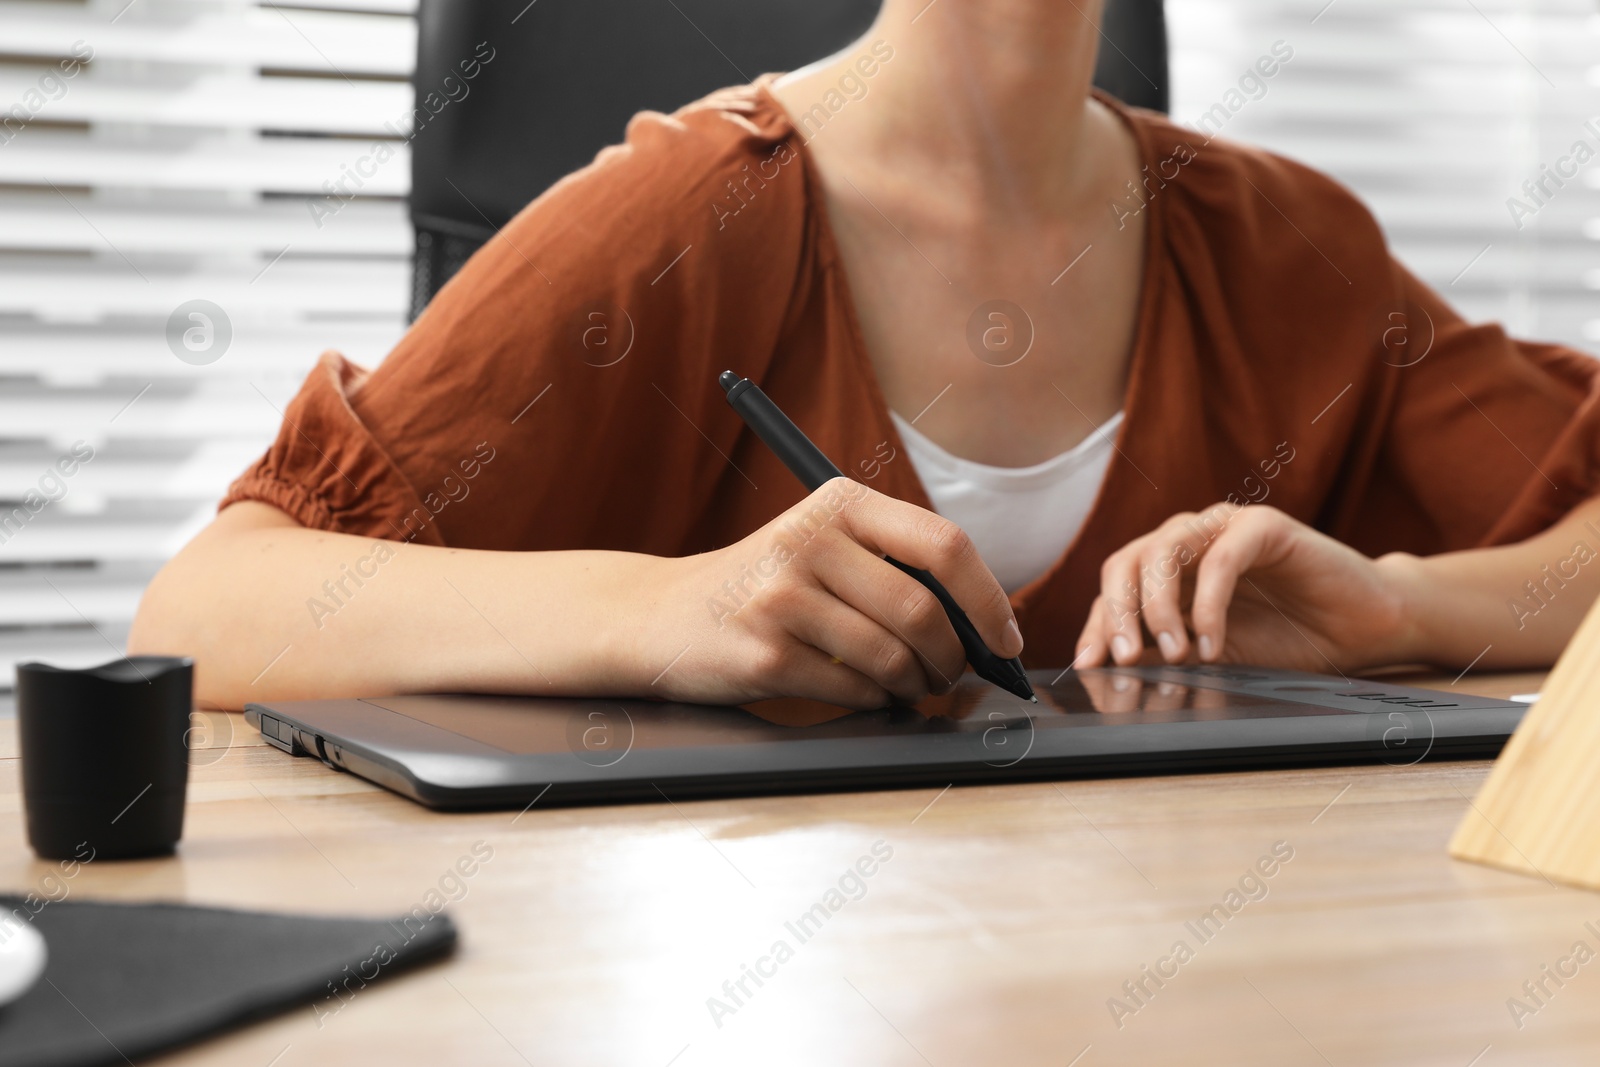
987, 97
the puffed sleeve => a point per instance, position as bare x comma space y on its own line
563, 383
1413, 430
1487, 440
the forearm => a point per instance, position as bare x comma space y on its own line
1515, 605
271, 610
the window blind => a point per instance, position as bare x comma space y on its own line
1436, 112
154, 154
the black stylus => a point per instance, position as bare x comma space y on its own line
806, 461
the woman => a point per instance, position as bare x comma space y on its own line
1173, 393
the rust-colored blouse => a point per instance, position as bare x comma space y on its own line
561, 391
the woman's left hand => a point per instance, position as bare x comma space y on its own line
1248, 585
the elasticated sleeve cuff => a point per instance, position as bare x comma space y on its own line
327, 471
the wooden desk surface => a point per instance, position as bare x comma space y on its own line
997, 933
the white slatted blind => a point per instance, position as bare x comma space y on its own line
175, 165
1434, 112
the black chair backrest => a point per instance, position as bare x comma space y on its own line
553, 84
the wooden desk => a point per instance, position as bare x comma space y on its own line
996, 934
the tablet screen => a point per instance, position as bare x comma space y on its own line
1079, 698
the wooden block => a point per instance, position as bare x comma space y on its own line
1539, 811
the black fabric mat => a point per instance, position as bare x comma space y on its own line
127, 980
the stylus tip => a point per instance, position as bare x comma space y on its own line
727, 379
1033, 700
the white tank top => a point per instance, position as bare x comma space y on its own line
1020, 518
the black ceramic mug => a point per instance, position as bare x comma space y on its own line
104, 756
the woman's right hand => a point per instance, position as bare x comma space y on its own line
808, 607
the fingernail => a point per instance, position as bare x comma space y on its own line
1205, 646
1011, 628
1169, 645
1121, 647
